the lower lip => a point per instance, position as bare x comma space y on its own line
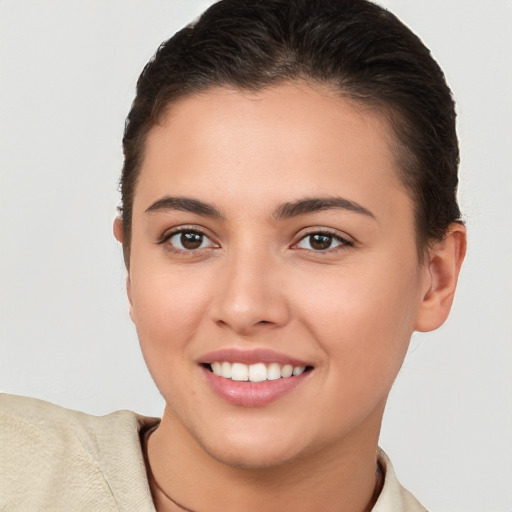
252, 394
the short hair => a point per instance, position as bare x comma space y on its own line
359, 50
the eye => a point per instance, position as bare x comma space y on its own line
189, 240
321, 242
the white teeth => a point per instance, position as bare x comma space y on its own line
286, 370
225, 370
258, 372
216, 367
273, 371
239, 371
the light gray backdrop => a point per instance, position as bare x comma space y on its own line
67, 76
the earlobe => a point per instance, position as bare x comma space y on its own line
129, 294
441, 274
119, 235
119, 230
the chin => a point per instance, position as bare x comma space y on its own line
254, 458
252, 450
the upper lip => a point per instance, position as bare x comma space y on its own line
253, 356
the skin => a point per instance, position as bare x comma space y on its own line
258, 282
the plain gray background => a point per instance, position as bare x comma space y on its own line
67, 76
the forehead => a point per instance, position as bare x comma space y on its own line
287, 140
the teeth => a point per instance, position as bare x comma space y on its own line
216, 367
239, 371
226, 370
273, 371
258, 372
287, 370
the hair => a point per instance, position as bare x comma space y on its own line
359, 50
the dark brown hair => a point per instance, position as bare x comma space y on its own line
358, 49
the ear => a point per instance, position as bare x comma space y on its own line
119, 235
129, 294
118, 229
441, 273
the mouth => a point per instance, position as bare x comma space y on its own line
253, 378
258, 372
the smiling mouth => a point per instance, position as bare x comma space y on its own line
258, 372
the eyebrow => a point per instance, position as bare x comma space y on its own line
317, 204
284, 211
185, 204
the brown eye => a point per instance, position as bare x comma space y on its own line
189, 240
321, 242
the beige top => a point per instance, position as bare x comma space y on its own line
55, 459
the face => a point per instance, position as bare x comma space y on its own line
271, 236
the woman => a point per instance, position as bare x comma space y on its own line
288, 220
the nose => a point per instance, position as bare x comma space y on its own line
251, 297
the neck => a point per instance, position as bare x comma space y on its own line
183, 476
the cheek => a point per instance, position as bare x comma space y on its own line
363, 318
167, 308
167, 312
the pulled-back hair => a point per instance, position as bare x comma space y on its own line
356, 48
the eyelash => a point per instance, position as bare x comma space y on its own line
343, 243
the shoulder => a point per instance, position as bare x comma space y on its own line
394, 497
53, 457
